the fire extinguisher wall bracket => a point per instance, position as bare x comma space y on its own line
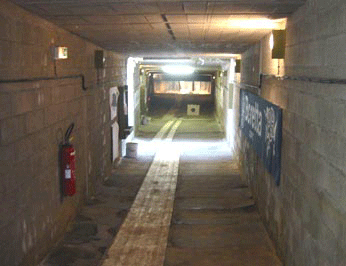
67, 158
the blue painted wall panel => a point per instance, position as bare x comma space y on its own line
261, 123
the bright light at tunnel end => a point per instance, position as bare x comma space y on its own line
178, 70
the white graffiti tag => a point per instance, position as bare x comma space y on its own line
270, 130
252, 115
243, 111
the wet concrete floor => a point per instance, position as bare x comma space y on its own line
214, 218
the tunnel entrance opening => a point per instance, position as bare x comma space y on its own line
178, 94
202, 100
192, 135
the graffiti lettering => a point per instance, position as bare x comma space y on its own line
252, 115
261, 124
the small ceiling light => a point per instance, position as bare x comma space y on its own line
179, 69
59, 52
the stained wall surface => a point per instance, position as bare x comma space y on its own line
306, 213
221, 101
33, 117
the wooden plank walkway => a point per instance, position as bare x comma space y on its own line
142, 238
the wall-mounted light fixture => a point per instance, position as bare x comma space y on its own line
59, 52
278, 44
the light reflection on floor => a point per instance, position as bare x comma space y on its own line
193, 148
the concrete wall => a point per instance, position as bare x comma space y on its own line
250, 66
143, 80
33, 117
221, 97
306, 214
137, 96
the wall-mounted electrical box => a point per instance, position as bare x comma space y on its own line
60, 52
99, 59
279, 44
237, 66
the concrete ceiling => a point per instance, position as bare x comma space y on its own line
162, 28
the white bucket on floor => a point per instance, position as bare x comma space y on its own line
131, 149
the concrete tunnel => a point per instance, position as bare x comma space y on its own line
204, 132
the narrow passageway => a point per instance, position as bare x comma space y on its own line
193, 208
181, 202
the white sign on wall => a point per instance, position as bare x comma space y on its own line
113, 101
115, 141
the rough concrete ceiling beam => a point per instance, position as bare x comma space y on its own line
141, 22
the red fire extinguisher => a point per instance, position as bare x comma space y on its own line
68, 165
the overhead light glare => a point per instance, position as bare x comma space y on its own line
169, 61
178, 70
259, 23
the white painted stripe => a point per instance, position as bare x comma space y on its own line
173, 130
142, 238
163, 130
